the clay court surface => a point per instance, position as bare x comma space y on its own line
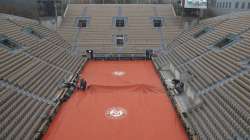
125, 100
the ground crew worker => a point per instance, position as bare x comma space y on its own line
83, 84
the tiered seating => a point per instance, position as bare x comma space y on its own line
20, 115
225, 113
48, 48
31, 76
165, 10
217, 77
140, 31
173, 27
99, 31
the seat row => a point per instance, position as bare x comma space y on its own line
219, 73
20, 115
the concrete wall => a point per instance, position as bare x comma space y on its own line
119, 1
221, 7
25, 8
29, 8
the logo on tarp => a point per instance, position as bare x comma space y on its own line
118, 73
115, 113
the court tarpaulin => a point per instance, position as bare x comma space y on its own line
125, 100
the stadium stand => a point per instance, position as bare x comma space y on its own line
206, 69
138, 32
212, 60
35, 63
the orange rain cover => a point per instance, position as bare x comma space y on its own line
125, 100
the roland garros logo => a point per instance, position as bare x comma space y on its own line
118, 73
115, 113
